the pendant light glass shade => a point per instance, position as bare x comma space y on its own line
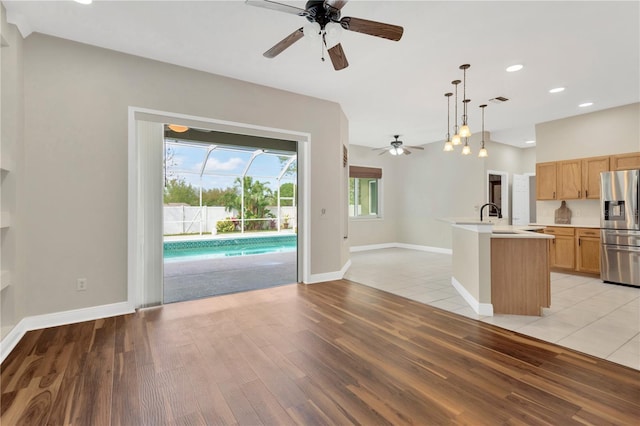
456, 139
483, 153
448, 146
466, 149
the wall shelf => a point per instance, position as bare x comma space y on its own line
5, 279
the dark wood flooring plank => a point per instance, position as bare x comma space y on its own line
330, 353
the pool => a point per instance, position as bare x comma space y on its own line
225, 247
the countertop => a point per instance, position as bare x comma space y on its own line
565, 226
508, 231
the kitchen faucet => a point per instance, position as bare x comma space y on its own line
491, 205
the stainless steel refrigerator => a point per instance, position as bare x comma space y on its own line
620, 227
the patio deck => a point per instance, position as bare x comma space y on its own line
196, 279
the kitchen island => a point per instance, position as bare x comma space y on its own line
501, 269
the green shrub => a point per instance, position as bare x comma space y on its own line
227, 225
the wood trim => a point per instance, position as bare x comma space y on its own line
365, 172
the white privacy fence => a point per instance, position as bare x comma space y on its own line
203, 220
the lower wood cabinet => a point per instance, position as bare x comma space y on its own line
562, 247
588, 250
575, 249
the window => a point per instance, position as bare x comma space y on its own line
364, 191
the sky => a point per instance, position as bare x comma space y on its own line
224, 165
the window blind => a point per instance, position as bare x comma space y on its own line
365, 172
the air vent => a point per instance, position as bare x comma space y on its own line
498, 100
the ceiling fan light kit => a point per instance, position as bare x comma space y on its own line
326, 25
396, 147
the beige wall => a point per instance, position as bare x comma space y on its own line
11, 149
606, 132
429, 185
381, 230
76, 99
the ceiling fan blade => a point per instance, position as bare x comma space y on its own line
383, 152
280, 7
338, 57
405, 151
413, 147
284, 43
378, 29
380, 149
334, 4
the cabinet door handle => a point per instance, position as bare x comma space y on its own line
579, 194
554, 195
579, 241
586, 193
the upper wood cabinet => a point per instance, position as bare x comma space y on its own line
569, 185
625, 161
579, 178
591, 169
546, 179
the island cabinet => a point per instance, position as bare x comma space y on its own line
520, 283
562, 247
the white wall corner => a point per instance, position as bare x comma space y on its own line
328, 276
485, 309
401, 245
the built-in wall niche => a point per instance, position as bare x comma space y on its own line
498, 192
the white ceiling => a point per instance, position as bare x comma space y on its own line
590, 47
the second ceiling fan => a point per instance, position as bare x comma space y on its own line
397, 148
324, 18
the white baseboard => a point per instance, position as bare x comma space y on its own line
485, 309
424, 248
329, 276
372, 247
401, 245
55, 319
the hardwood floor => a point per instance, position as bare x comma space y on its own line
331, 353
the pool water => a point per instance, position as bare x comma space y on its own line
211, 249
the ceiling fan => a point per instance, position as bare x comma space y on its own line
324, 23
397, 148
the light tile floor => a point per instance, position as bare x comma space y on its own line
586, 314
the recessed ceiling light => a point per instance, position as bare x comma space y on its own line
514, 68
84, 1
530, 142
556, 90
586, 104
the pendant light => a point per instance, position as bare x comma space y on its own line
448, 145
483, 150
466, 149
464, 130
456, 131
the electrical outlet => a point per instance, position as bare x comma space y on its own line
81, 284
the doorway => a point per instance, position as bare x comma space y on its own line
145, 198
229, 213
